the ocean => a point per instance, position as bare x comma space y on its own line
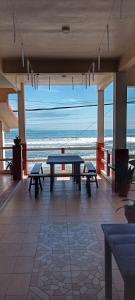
65, 138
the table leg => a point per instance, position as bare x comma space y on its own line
88, 186
36, 187
73, 171
51, 177
78, 178
129, 291
108, 272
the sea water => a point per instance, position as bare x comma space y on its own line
65, 138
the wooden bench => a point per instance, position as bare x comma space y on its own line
36, 180
91, 175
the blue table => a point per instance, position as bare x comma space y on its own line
120, 241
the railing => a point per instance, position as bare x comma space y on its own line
4, 159
107, 161
62, 150
49, 150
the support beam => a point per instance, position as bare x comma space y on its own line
120, 153
21, 120
21, 114
59, 65
120, 111
1, 145
100, 131
4, 94
131, 76
106, 80
128, 59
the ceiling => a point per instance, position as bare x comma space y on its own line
38, 24
61, 79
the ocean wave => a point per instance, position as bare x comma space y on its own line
86, 141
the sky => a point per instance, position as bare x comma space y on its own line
68, 119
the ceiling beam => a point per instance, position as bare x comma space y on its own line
41, 65
106, 80
131, 76
127, 60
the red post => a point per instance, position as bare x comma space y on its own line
62, 152
99, 157
108, 163
24, 157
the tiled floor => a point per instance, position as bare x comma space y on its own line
5, 182
52, 248
7, 186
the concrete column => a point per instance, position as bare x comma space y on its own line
2, 164
120, 153
120, 111
21, 121
21, 114
100, 131
100, 117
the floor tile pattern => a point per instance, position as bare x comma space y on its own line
53, 247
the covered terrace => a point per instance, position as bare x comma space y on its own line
53, 248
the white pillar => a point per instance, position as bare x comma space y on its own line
2, 164
100, 117
120, 111
21, 114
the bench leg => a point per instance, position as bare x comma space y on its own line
40, 183
36, 187
88, 186
30, 184
79, 182
74, 170
96, 181
42, 172
51, 183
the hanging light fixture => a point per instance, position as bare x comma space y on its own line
72, 83
108, 37
16, 83
93, 70
22, 51
65, 29
86, 80
82, 78
89, 76
99, 59
32, 79
28, 68
49, 82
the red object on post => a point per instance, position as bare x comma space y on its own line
62, 152
108, 163
24, 157
99, 157
17, 162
